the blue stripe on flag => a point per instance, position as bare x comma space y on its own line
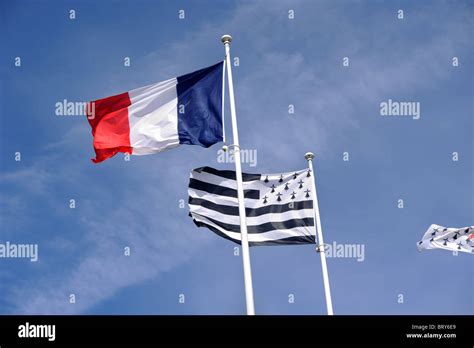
200, 106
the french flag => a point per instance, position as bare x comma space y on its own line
182, 110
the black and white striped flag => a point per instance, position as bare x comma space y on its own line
279, 207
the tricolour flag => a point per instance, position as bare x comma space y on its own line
182, 110
459, 239
279, 207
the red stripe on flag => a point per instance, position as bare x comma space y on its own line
108, 118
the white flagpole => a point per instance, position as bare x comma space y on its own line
223, 102
226, 39
320, 248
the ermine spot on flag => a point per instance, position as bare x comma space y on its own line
182, 110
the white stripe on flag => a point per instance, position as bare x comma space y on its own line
262, 237
255, 220
153, 117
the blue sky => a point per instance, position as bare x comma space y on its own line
282, 62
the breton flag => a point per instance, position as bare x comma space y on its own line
279, 207
182, 110
459, 239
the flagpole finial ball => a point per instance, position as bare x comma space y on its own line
309, 156
226, 39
